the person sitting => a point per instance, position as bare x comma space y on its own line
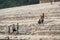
41, 20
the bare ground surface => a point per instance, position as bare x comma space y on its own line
27, 17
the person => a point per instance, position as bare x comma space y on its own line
14, 28
8, 29
17, 28
42, 18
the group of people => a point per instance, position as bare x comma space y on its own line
15, 28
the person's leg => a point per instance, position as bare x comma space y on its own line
17, 31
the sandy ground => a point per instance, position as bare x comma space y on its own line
29, 15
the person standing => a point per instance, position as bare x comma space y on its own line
17, 28
8, 29
14, 29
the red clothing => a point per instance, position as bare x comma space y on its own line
42, 16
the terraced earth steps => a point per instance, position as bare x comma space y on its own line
30, 37
28, 27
